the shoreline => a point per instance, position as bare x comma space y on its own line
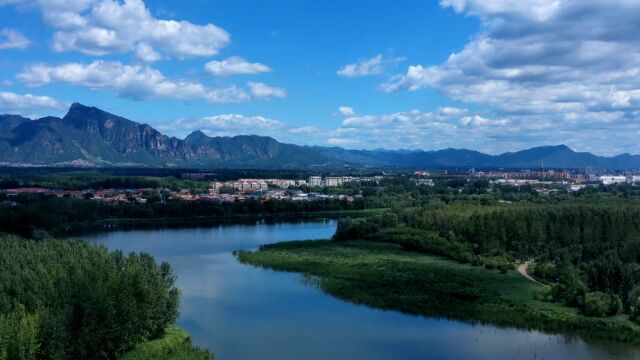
425, 285
107, 225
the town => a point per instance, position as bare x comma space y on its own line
316, 187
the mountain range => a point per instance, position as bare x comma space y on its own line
88, 136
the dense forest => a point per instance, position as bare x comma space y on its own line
71, 300
588, 250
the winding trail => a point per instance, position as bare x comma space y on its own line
522, 269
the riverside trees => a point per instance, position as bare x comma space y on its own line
589, 250
73, 300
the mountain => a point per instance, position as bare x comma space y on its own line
97, 137
92, 137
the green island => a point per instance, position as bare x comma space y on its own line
459, 262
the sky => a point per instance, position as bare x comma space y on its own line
487, 75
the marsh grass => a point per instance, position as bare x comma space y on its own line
385, 276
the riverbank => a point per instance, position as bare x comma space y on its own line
174, 345
385, 276
70, 230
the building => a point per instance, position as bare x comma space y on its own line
427, 182
332, 181
214, 187
576, 187
243, 185
346, 179
281, 183
609, 180
315, 181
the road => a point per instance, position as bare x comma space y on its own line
522, 269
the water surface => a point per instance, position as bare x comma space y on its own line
242, 312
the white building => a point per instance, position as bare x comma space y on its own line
243, 185
576, 187
215, 187
609, 180
427, 182
282, 183
315, 181
346, 179
332, 181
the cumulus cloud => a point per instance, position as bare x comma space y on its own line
368, 67
12, 39
416, 129
264, 91
140, 82
443, 127
305, 130
487, 131
559, 59
226, 125
235, 66
346, 111
21, 103
101, 27
237, 124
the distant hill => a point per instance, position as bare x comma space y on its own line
90, 136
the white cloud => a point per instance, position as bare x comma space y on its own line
235, 66
476, 120
368, 67
416, 129
346, 111
12, 39
264, 91
19, 103
305, 130
226, 125
140, 82
566, 59
443, 127
101, 27
238, 124
342, 142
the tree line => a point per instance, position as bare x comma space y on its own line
71, 300
589, 251
31, 213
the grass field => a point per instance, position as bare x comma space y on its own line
385, 276
174, 345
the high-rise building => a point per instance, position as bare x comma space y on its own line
332, 181
315, 181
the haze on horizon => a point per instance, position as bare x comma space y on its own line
488, 75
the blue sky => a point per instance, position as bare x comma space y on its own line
490, 75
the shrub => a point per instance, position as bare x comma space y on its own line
596, 304
615, 305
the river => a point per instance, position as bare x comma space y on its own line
242, 312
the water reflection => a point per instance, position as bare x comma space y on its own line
242, 312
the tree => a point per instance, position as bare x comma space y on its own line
596, 304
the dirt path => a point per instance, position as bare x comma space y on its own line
522, 269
